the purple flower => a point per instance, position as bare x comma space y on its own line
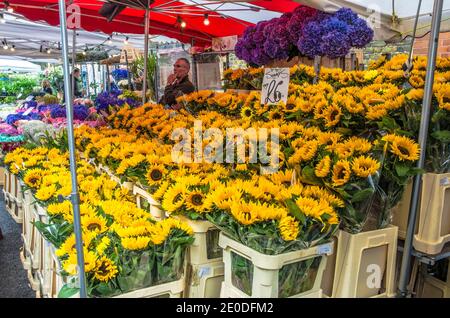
360, 34
80, 112
58, 112
119, 74
309, 43
347, 16
335, 44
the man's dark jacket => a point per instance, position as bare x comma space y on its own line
172, 92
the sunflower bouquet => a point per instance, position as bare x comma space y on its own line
247, 79
346, 166
124, 248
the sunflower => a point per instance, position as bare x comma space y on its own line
341, 173
69, 247
282, 177
158, 194
195, 201
364, 166
243, 212
136, 243
275, 115
292, 105
308, 150
332, 115
33, 178
155, 174
45, 193
62, 208
105, 269
309, 206
103, 245
71, 264
174, 198
289, 228
415, 94
323, 167
94, 223
247, 113
417, 81
405, 148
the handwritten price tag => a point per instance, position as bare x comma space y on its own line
275, 85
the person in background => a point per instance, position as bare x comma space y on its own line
76, 76
46, 87
178, 84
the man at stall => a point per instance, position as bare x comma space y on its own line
178, 84
77, 90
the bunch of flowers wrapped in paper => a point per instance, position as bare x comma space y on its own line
124, 248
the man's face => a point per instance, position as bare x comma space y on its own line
180, 69
76, 74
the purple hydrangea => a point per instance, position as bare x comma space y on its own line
360, 34
80, 112
58, 112
12, 118
30, 104
119, 74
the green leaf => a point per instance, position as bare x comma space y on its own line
295, 211
67, 292
442, 135
309, 176
362, 195
402, 169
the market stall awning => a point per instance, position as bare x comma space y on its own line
166, 18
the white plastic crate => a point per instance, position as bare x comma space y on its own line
144, 200
265, 270
230, 292
434, 214
365, 264
205, 248
27, 230
204, 281
2, 176
169, 290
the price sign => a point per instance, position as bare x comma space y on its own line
275, 85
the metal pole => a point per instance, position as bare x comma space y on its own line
74, 58
108, 83
423, 133
73, 169
157, 75
147, 26
414, 36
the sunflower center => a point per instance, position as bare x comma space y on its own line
34, 180
93, 227
290, 106
248, 113
247, 216
156, 175
333, 115
403, 150
197, 199
341, 174
446, 99
276, 116
103, 269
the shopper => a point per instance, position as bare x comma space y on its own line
178, 84
46, 87
76, 76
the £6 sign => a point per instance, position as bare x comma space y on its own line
275, 85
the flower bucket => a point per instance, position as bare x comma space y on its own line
249, 273
365, 264
434, 214
144, 200
205, 249
204, 281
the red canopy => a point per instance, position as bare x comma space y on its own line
131, 20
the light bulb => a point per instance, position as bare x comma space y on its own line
10, 9
49, 51
5, 47
183, 24
13, 48
126, 41
109, 41
84, 53
206, 21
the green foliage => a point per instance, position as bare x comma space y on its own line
14, 87
137, 69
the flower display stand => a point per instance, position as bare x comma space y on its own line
365, 264
50, 279
2, 176
400, 212
204, 281
434, 214
328, 275
27, 230
249, 273
144, 200
14, 197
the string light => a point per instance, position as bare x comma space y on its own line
13, 48
109, 40
49, 51
84, 52
206, 21
5, 46
8, 7
126, 41
181, 22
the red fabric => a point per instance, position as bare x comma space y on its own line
132, 20
277, 5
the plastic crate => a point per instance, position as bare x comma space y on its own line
434, 214
27, 230
230, 292
204, 281
2, 176
205, 248
328, 275
400, 212
365, 264
169, 290
257, 275
144, 200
